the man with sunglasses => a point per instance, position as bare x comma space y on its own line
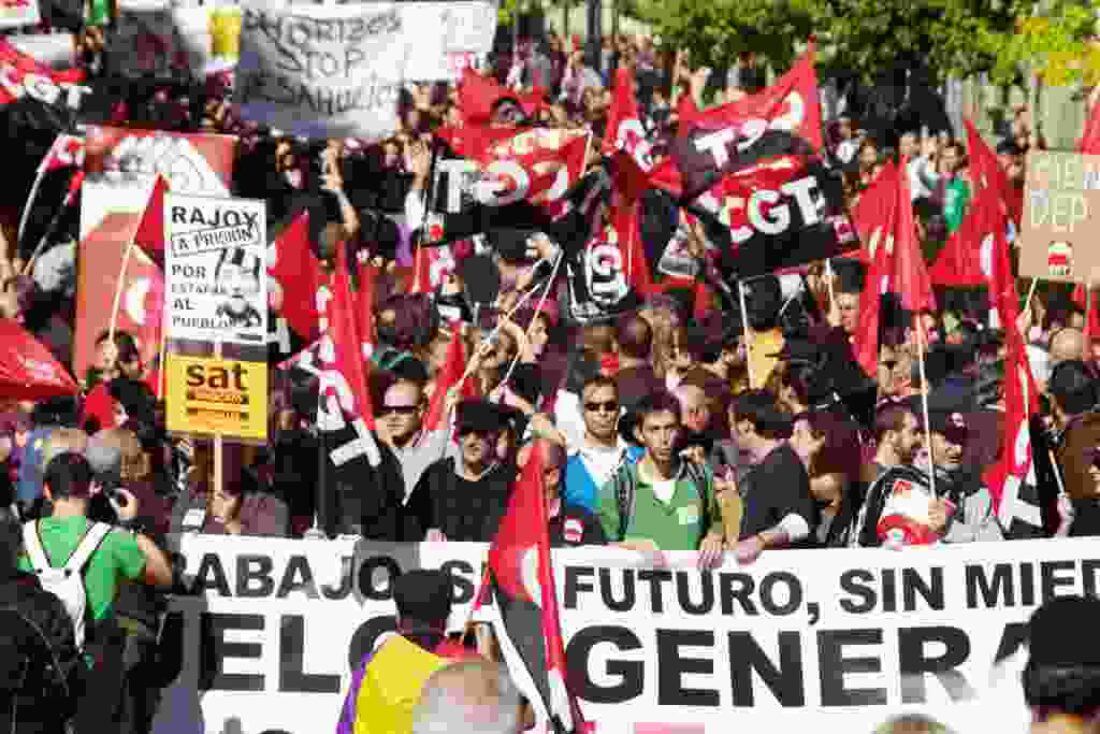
463, 498
400, 423
601, 450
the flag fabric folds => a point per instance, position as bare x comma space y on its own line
294, 266
521, 580
27, 369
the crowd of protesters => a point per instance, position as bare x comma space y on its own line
741, 432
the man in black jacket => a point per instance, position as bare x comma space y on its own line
464, 499
38, 654
778, 509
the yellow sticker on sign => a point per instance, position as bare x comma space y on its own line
217, 397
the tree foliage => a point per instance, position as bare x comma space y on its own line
1005, 38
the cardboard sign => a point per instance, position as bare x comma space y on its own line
214, 262
1061, 218
323, 71
217, 397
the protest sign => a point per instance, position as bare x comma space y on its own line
217, 397
216, 280
14, 13
822, 640
1061, 218
448, 37
324, 71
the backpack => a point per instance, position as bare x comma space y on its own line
626, 489
66, 582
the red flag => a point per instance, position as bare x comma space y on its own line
911, 281
346, 341
686, 112
522, 579
626, 140
27, 369
102, 256
985, 171
477, 95
966, 260
422, 271
368, 275
1090, 136
298, 273
1014, 473
875, 217
150, 233
623, 217
1085, 298
454, 365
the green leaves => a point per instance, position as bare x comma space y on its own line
959, 37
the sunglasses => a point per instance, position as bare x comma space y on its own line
397, 409
608, 407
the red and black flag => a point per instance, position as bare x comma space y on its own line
756, 165
359, 488
783, 119
521, 581
494, 178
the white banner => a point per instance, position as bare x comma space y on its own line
324, 71
214, 264
833, 640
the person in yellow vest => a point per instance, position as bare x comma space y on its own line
386, 686
763, 299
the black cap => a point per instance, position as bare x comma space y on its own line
423, 595
1008, 147
479, 416
1051, 640
849, 274
526, 382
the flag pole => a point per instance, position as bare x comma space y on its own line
919, 327
33, 193
829, 281
745, 332
535, 315
118, 291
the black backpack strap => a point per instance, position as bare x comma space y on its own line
698, 476
625, 492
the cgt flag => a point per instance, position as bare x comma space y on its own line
783, 119
505, 178
521, 580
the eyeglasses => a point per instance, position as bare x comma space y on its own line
397, 409
609, 406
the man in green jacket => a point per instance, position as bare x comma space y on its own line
662, 502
